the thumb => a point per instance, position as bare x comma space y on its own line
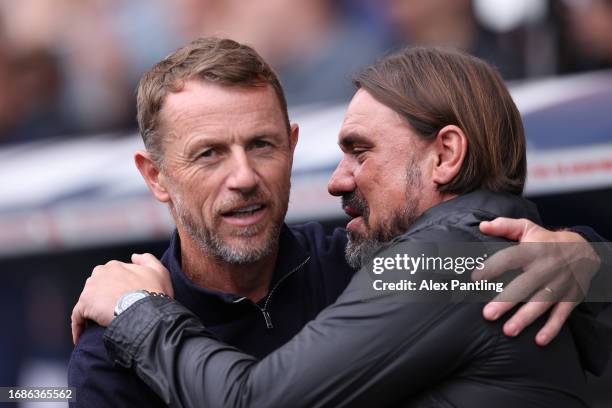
152, 262
148, 260
509, 228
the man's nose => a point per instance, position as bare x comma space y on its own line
243, 176
342, 181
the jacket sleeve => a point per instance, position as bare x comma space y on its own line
100, 384
366, 349
592, 335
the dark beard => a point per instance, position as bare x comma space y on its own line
361, 249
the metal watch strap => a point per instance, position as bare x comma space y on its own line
120, 307
157, 294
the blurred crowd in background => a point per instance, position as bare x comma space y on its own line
70, 67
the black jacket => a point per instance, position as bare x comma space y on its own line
367, 349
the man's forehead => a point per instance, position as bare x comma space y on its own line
366, 118
365, 108
211, 97
204, 104
370, 122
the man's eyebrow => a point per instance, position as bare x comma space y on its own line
350, 139
215, 140
263, 134
203, 141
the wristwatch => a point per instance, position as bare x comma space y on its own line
132, 297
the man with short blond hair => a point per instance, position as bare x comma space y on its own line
219, 151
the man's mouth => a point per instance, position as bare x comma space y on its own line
244, 211
351, 212
245, 215
355, 208
356, 224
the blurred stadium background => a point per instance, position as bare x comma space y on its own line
71, 197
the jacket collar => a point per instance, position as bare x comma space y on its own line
291, 254
486, 202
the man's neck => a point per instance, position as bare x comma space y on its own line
249, 280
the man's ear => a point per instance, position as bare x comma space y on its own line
451, 146
293, 137
152, 175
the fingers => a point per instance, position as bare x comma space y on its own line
539, 304
517, 291
109, 282
549, 271
494, 309
570, 236
509, 228
526, 315
524, 285
510, 258
558, 316
77, 323
505, 260
78, 318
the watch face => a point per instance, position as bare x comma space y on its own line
129, 299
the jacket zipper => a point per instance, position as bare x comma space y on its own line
264, 309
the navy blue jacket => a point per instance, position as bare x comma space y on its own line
310, 273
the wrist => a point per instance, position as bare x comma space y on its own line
130, 298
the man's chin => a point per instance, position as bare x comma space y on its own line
244, 250
260, 231
247, 244
359, 252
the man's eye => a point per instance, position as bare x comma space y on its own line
260, 144
208, 153
359, 153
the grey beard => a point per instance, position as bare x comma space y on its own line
212, 244
360, 252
